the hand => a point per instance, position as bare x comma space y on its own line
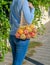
30, 5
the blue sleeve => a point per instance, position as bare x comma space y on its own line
29, 15
32, 13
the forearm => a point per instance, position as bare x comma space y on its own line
28, 14
32, 10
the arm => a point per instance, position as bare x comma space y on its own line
32, 13
29, 15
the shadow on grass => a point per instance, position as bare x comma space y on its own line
33, 61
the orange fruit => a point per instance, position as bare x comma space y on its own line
20, 31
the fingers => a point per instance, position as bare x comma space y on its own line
30, 5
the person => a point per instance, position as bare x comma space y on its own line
19, 47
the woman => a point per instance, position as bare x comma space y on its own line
19, 47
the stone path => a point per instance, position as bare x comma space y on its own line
42, 55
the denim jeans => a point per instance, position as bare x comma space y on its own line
19, 49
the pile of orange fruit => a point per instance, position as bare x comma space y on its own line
26, 32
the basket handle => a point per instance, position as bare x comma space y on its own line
21, 19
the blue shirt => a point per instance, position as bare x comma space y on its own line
15, 14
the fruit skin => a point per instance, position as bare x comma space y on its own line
22, 27
29, 29
20, 31
23, 36
34, 30
32, 34
25, 31
28, 36
17, 35
32, 26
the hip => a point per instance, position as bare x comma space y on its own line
18, 41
